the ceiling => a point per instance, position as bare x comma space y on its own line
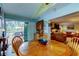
54, 7
21, 9
31, 10
70, 18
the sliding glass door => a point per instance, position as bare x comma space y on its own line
14, 28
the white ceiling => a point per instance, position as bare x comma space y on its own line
28, 9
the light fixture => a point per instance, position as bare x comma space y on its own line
47, 3
43, 8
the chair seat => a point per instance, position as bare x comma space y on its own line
23, 49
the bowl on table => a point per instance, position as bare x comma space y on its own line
43, 41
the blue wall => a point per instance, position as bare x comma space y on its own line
25, 31
29, 29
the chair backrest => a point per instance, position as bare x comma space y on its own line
74, 44
16, 42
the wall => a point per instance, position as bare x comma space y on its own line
77, 27
74, 20
29, 30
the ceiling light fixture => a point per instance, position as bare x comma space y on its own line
43, 8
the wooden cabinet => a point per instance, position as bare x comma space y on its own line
39, 29
40, 26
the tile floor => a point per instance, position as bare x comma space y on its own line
10, 52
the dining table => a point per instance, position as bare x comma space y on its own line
53, 48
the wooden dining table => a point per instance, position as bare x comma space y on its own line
53, 48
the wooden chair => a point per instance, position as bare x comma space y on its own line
70, 39
16, 42
74, 44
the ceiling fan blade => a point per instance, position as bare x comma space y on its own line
43, 8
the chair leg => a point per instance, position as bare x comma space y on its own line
77, 50
4, 53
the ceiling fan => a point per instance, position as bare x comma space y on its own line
43, 8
